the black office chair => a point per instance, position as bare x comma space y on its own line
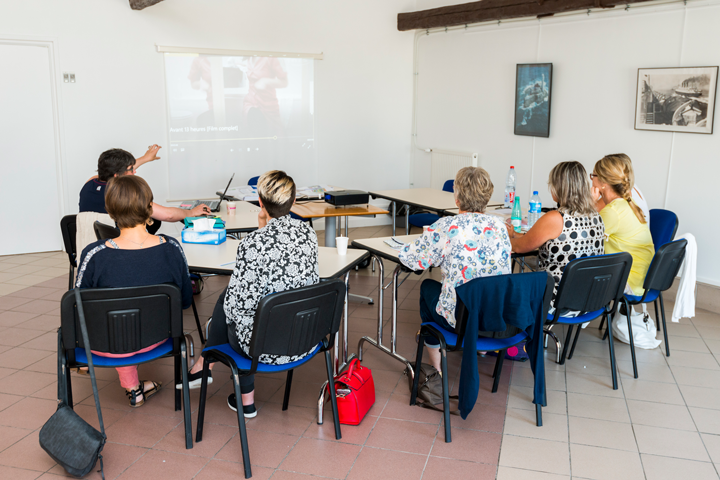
286, 323
593, 286
103, 232
68, 227
660, 276
125, 320
454, 341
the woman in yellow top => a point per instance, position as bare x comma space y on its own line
625, 227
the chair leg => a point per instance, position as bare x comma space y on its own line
657, 316
197, 322
446, 395
241, 422
71, 276
572, 349
568, 337
416, 372
288, 384
333, 398
498, 370
186, 396
664, 326
612, 354
538, 415
177, 367
203, 396
602, 324
632, 340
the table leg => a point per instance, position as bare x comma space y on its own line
346, 226
330, 231
393, 211
393, 326
407, 219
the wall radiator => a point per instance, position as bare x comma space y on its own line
445, 164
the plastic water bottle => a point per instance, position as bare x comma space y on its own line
510, 188
516, 218
535, 209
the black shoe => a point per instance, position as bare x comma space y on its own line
195, 380
248, 410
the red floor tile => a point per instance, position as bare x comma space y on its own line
215, 437
266, 449
44, 323
293, 421
21, 357
141, 430
403, 436
7, 400
36, 292
387, 464
221, 470
12, 319
459, 470
303, 394
30, 413
38, 307
9, 302
27, 454
470, 445
489, 418
12, 337
116, 459
317, 457
355, 434
17, 473
47, 342
10, 436
158, 464
398, 407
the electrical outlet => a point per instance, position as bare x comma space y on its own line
72, 78
66, 77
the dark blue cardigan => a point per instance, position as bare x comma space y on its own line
493, 303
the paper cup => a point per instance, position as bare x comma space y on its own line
342, 244
231, 208
425, 228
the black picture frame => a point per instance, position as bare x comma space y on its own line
533, 99
676, 99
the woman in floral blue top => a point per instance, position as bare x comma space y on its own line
465, 246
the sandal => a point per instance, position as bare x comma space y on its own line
80, 370
146, 394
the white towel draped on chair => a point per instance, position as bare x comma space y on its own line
685, 300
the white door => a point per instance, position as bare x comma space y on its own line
30, 212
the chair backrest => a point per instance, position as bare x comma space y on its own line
68, 227
461, 312
294, 321
123, 320
253, 181
103, 232
663, 226
665, 266
592, 283
449, 186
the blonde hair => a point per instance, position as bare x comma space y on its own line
473, 189
276, 189
617, 172
570, 184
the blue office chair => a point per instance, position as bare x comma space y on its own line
422, 219
663, 226
453, 341
593, 286
660, 276
253, 181
286, 323
125, 320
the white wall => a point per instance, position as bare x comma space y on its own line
465, 102
363, 86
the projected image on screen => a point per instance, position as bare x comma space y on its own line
241, 115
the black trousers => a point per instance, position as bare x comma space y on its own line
220, 333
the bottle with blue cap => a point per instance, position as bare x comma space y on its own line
535, 209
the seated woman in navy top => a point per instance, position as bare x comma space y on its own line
117, 162
133, 259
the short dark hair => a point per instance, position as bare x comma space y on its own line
277, 190
112, 162
128, 200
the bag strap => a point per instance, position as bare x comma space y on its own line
62, 385
88, 353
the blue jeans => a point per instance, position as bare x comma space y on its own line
429, 296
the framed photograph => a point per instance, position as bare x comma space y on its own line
533, 87
676, 99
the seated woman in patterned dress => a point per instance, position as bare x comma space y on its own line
282, 254
465, 246
574, 230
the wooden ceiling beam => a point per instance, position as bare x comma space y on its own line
492, 10
140, 4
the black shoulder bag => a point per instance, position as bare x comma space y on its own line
67, 438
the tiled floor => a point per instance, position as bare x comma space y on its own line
664, 425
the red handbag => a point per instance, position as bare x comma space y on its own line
355, 392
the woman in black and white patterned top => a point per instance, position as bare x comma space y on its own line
281, 255
575, 230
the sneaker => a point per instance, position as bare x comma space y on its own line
195, 380
248, 410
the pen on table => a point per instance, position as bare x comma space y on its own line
226, 264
